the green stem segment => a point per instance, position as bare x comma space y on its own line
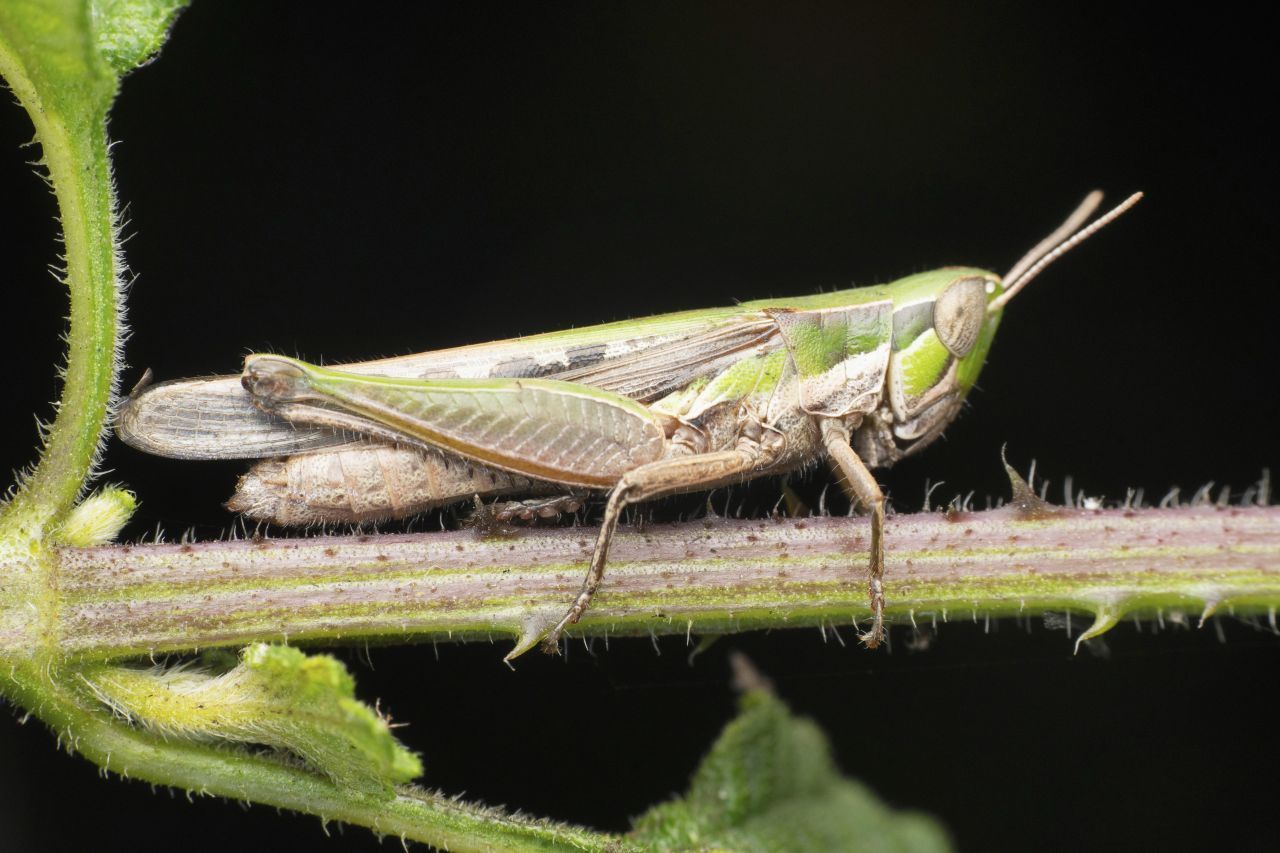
410, 813
75, 153
87, 219
700, 577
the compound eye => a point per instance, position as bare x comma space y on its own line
959, 313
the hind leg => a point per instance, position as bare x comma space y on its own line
664, 477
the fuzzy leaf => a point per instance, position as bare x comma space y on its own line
276, 696
68, 55
130, 32
769, 783
97, 519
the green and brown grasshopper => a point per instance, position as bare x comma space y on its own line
637, 409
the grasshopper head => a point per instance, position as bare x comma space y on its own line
941, 333
943, 324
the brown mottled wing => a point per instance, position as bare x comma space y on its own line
214, 418
657, 371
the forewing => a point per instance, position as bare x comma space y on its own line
214, 418
651, 373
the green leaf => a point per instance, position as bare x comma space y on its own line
769, 783
48, 56
67, 56
98, 519
276, 696
130, 32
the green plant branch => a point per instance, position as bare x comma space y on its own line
34, 60
708, 577
204, 768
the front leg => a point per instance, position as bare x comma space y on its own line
863, 489
664, 477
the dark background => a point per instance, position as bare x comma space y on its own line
346, 185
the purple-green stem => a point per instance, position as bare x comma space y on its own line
704, 577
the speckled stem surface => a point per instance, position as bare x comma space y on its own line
704, 577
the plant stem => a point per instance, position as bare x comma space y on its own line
411, 813
47, 64
75, 155
697, 577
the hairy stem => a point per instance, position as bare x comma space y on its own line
202, 767
75, 154
697, 577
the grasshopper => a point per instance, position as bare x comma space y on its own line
639, 409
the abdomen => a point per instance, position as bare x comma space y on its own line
366, 483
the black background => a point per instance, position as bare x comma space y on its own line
347, 184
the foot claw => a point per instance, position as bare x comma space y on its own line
551, 642
872, 639
500, 518
532, 510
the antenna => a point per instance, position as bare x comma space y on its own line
1064, 238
